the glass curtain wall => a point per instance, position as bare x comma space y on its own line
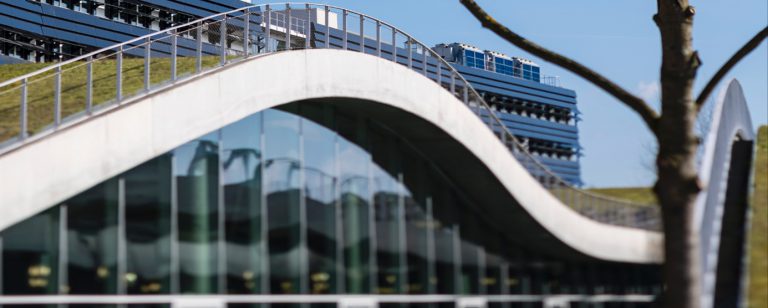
302, 199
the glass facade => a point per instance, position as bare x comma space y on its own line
503, 66
474, 59
527, 71
304, 199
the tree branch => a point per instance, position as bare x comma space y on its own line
637, 104
744, 51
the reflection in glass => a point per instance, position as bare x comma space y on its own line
241, 165
319, 186
355, 206
445, 263
196, 171
492, 275
305, 199
282, 173
30, 255
148, 227
470, 268
417, 225
92, 240
388, 206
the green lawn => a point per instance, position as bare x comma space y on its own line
40, 91
758, 237
641, 195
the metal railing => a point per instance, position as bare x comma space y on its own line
73, 91
341, 301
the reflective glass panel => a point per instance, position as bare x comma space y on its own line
301, 199
417, 226
355, 205
92, 240
148, 227
30, 255
470, 268
196, 172
242, 178
320, 196
388, 206
282, 171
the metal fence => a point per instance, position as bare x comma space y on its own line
40, 103
341, 301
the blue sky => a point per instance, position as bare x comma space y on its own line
617, 39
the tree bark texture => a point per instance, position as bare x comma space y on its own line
677, 185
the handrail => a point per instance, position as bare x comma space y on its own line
601, 208
110, 48
342, 300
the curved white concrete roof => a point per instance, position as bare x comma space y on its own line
52, 169
730, 121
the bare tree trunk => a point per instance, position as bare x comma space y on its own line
678, 185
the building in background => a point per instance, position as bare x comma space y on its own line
50, 30
540, 113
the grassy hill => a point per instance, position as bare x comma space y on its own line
758, 237
40, 89
641, 195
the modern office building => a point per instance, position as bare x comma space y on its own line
383, 184
308, 198
540, 113
51, 30
312, 160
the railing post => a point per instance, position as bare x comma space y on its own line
89, 86
246, 32
199, 48
327, 29
394, 44
268, 26
465, 93
439, 69
504, 137
223, 41
174, 54
362, 34
147, 55
23, 110
409, 45
344, 28
288, 26
119, 77
453, 83
378, 38
57, 98
307, 28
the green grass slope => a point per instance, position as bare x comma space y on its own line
641, 195
758, 235
40, 89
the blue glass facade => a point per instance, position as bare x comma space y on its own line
504, 66
309, 198
474, 59
544, 117
47, 30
